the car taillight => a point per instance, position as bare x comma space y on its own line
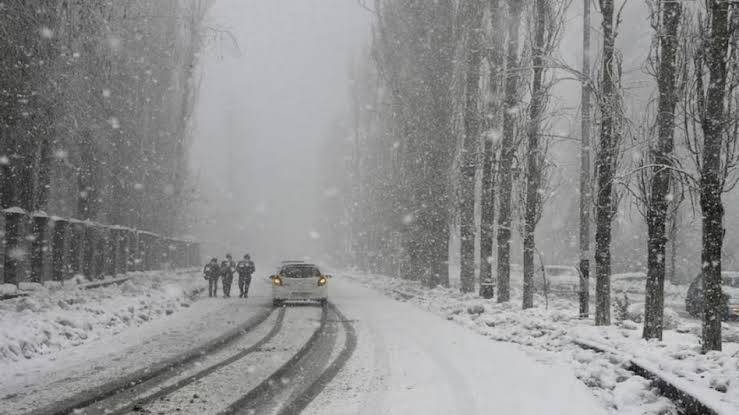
322, 281
277, 281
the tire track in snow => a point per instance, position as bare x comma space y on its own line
164, 369
350, 344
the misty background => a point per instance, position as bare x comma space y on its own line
272, 82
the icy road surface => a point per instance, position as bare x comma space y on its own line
409, 361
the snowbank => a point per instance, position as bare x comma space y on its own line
548, 334
49, 320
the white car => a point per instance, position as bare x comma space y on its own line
299, 281
562, 278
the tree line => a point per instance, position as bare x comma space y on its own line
96, 99
454, 121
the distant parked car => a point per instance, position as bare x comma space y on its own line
729, 286
562, 278
630, 277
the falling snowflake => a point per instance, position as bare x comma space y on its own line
46, 33
493, 135
114, 43
114, 123
106, 93
4, 160
17, 253
314, 235
61, 154
138, 186
408, 219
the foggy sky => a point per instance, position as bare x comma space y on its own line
264, 112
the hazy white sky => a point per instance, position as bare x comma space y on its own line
265, 111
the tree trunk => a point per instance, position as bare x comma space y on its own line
508, 149
487, 207
661, 172
605, 172
470, 151
712, 175
533, 176
487, 203
585, 193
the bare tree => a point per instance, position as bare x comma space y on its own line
658, 203
712, 174
585, 146
473, 11
508, 150
605, 170
496, 65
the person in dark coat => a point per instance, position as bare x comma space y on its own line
245, 268
211, 273
227, 275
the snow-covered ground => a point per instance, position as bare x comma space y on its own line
49, 320
547, 334
132, 343
409, 361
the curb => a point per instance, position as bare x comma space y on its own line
680, 392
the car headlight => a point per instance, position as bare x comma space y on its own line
322, 281
277, 281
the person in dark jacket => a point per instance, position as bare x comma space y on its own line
245, 268
227, 275
211, 273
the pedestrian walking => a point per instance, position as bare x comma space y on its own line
245, 268
211, 273
227, 276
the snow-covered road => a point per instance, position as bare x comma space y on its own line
406, 361
409, 361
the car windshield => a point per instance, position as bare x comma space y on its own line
299, 271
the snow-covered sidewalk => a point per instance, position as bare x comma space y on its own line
141, 333
548, 334
51, 320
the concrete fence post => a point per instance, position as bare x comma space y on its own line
60, 249
119, 244
77, 247
197, 255
17, 257
111, 251
101, 250
181, 254
2, 247
160, 252
41, 258
133, 250
89, 245
125, 244
144, 251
